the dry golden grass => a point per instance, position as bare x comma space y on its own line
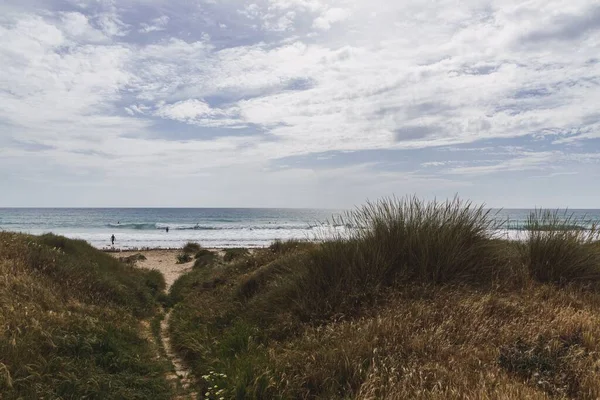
438, 343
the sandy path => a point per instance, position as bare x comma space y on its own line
163, 260
166, 262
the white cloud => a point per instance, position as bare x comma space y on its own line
330, 17
313, 77
157, 24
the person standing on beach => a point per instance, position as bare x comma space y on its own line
112, 239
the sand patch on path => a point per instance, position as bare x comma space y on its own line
163, 260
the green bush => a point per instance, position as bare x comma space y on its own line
191, 248
203, 252
205, 260
183, 258
235, 253
561, 248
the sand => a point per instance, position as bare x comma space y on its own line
163, 260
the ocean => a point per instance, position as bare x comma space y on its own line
147, 227
211, 227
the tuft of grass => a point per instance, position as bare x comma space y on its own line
555, 252
202, 252
191, 248
282, 247
205, 260
132, 259
183, 258
235, 253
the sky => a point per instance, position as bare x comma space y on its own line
298, 103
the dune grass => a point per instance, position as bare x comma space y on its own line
70, 320
419, 301
555, 252
235, 253
191, 248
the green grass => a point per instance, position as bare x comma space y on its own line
419, 301
234, 254
71, 323
183, 258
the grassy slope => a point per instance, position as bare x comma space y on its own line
420, 304
70, 319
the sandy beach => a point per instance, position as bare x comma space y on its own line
163, 260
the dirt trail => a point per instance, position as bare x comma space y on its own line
166, 262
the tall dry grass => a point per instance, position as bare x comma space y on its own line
561, 248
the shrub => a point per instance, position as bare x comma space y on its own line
191, 248
561, 248
235, 253
205, 260
203, 252
183, 258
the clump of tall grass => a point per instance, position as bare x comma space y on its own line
390, 242
183, 258
235, 253
285, 246
427, 241
561, 248
191, 248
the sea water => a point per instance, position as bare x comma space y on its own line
211, 227
147, 227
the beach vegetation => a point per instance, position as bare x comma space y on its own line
234, 253
191, 248
416, 300
71, 322
183, 258
555, 252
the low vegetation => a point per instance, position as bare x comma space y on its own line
183, 258
419, 300
191, 248
557, 254
235, 253
416, 301
71, 323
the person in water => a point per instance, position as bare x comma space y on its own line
112, 239
167, 229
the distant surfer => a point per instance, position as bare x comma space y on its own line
167, 229
112, 239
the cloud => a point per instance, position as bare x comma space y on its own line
146, 81
155, 25
567, 26
330, 17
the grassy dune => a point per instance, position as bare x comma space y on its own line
419, 302
71, 323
